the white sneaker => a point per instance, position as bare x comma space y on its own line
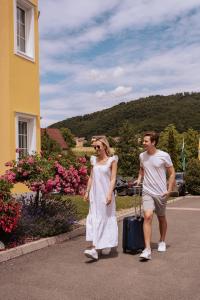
91, 253
162, 246
146, 254
2, 246
106, 251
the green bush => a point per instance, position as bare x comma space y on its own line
128, 150
68, 137
5, 189
193, 177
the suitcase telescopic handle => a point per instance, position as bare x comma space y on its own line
138, 191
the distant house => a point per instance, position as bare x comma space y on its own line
55, 135
94, 137
80, 141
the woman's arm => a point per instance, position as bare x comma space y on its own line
112, 181
86, 196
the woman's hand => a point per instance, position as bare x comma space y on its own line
86, 196
108, 199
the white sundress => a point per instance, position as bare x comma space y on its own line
101, 222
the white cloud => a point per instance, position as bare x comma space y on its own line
71, 15
96, 75
121, 91
142, 12
48, 89
100, 94
118, 72
103, 74
98, 53
170, 72
82, 29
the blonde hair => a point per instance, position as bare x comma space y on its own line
105, 143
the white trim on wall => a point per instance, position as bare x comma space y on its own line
31, 122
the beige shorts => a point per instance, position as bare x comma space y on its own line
154, 203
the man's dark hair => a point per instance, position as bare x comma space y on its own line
154, 136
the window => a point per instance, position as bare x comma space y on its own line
21, 30
23, 138
25, 134
24, 29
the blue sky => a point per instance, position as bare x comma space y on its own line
95, 54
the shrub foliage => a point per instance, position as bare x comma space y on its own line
52, 216
193, 177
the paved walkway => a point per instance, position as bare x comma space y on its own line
61, 272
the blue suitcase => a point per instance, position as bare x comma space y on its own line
133, 235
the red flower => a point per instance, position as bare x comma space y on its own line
9, 215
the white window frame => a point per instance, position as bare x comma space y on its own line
29, 29
31, 132
27, 135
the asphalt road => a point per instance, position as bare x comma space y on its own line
61, 272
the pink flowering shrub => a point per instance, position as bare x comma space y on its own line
9, 208
46, 214
71, 181
56, 173
9, 215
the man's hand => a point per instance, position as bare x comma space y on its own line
166, 194
137, 182
108, 199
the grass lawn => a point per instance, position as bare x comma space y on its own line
81, 151
121, 203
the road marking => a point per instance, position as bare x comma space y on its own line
184, 208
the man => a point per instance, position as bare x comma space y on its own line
154, 166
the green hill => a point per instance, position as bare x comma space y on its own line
151, 113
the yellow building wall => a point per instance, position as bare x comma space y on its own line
19, 83
5, 111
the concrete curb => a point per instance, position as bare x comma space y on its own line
46, 242
41, 243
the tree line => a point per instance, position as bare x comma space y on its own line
182, 147
150, 113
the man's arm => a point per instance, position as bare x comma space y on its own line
140, 176
171, 180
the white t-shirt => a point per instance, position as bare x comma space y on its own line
154, 166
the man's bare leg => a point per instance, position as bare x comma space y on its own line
147, 227
162, 227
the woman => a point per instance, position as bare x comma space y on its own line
101, 223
